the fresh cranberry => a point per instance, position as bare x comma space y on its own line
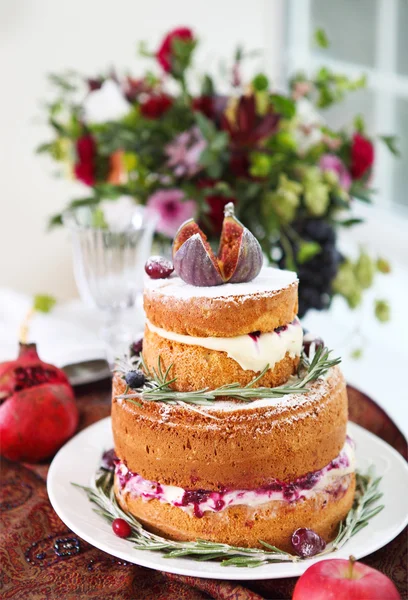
158, 267
281, 328
307, 542
121, 528
318, 342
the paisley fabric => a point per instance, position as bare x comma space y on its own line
40, 558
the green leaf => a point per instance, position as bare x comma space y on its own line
143, 50
43, 148
62, 82
283, 105
383, 266
360, 192
382, 310
220, 141
54, 221
260, 82
321, 39
98, 219
206, 126
207, 86
359, 123
307, 251
90, 201
349, 222
391, 142
43, 303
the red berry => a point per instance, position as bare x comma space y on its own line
121, 528
158, 267
307, 542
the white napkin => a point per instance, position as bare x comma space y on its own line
68, 334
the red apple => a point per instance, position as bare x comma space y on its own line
339, 579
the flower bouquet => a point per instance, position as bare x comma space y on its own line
186, 153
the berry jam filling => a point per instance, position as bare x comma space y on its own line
28, 377
254, 335
199, 501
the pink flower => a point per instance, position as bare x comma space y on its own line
331, 162
171, 208
184, 151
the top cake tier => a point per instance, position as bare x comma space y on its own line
263, 304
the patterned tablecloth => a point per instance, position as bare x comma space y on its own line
37, 562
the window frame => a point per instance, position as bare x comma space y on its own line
383, 78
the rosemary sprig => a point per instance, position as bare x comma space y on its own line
157, 386
102, 495
362, 511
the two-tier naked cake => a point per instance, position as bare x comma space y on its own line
233, 472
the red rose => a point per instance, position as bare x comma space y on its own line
155, 106
165, 52
239, 163
205, 105
362, 156
216, 204
84, 168
215, 214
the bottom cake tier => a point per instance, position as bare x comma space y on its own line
317, 500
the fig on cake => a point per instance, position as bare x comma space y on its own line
239, 257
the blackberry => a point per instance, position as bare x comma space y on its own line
135, 379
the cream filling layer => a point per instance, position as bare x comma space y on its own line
252, 352
197, 502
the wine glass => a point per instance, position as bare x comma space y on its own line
109, 256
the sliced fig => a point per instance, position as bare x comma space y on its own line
250, 259
239, 256
185, 231
194, 264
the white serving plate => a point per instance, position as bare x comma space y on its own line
79, 459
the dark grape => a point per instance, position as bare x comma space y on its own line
315, 275
135, 379
158, 267
307, 542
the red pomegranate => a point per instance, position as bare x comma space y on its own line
38, 412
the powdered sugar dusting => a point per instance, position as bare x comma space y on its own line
269, 281
317, 390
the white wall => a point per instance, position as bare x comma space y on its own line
42, 36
